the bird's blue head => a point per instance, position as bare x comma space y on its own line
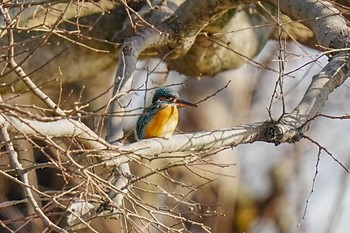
169, 95
165, 93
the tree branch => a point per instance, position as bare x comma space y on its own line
19, 71
35, 14
189, 19
291, 126
330, 28
24, 177
59, 128
128, 56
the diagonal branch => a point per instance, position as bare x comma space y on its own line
291, 126
19, 71
45, 13
330, 28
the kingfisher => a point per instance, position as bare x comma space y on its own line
160, 119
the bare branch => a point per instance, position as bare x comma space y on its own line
199, 141
291, 126
20, 72
34, 14
330, 28
312, 187
24, 176
59, 128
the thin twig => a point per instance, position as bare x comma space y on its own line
19, 71
24, 176
215, 93
312, 187
328, 152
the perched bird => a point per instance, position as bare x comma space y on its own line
161, 117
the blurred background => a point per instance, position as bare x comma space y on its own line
253, 188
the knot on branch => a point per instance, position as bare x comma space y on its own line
340, 41
127, 49
340, 75
278, 132
273, 132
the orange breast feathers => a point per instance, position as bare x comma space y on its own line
163, 123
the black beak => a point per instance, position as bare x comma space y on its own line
184, 103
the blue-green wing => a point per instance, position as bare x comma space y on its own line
145, 117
